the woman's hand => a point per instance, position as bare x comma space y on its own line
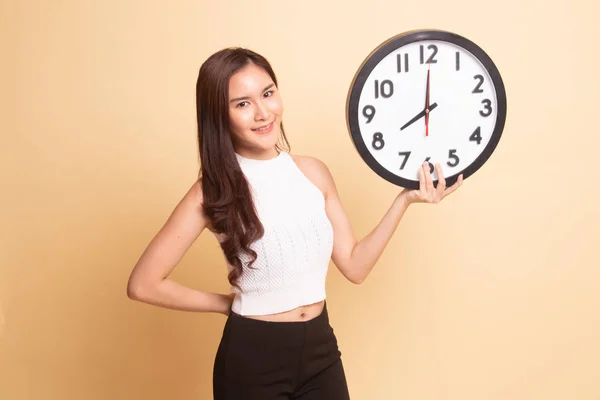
427, 193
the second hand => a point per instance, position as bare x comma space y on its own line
427, 103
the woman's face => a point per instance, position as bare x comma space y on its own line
255, 110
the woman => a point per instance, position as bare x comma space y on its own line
279, 221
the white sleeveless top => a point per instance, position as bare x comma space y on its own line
294, 253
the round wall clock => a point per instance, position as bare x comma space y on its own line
426, 96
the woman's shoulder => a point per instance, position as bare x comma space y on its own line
315, 170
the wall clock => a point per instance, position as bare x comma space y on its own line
426, 95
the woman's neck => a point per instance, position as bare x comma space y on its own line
258, 155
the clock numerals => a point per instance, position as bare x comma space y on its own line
458, 61
487, 104
378, 142
369, 113
478, 88
405, 154
452, 156
487, 108
386, 88
476, 136
431, 59
452, 162
399, 62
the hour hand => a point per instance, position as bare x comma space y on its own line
419, 116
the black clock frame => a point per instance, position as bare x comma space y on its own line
384, 50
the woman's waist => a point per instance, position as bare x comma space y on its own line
301, 313
297, 302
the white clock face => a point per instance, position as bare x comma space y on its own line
392, 114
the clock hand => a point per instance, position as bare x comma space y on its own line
427, 103
418, 116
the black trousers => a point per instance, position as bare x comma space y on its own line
279, 360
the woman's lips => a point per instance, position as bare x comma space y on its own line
266, 129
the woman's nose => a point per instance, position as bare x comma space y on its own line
261, 111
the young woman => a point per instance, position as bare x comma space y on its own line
279, 221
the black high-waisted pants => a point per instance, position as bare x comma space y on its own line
279, 360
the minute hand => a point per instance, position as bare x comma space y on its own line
418, 116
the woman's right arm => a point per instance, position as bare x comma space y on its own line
149, 282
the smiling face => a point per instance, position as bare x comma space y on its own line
255, 110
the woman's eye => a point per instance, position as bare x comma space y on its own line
242, 104
269, 93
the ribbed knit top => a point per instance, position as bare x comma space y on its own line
294, 253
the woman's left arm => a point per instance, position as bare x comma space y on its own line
355, 259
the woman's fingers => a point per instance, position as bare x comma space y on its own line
441, 185
427, 193
456, 185
428, 181
422, 183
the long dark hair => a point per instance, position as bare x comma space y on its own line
227, 200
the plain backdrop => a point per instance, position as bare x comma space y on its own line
492, 294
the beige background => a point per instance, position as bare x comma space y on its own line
493, 294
